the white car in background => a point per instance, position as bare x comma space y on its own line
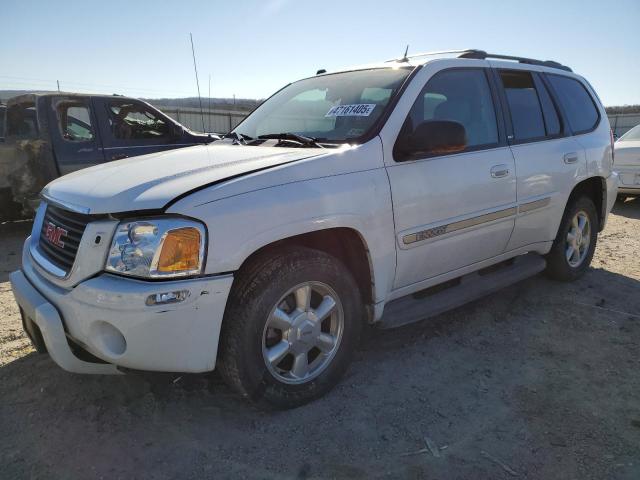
627, 162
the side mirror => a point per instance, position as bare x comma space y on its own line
433, 137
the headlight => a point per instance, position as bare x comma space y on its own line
158, 248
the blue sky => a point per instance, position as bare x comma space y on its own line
252, 48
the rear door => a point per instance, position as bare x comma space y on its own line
452, 210
130, 128
548, 160
76, 141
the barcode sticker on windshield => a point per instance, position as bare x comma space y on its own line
355, 110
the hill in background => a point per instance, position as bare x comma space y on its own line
244, 104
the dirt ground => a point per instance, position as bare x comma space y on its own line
541, 380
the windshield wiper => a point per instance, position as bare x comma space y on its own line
240, 137
292, 137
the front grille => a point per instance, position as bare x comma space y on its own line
65, 230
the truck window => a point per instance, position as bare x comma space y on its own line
22, 120
577, 103
524, 105
135, 121
74, 121
459, 95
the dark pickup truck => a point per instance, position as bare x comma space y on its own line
51, 134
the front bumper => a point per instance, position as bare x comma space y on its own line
108, 316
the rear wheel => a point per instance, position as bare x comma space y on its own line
575, 243
292, 323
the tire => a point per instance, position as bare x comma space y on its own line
252, 332
563, 263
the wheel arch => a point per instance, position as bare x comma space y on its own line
344, 243
596, 189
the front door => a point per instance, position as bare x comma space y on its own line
454, 210
131, 128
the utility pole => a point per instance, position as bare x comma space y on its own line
58, 82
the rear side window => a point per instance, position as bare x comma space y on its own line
578, 105
524, 105
74, 121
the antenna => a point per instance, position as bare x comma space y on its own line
193, 52
404, 57
209, 104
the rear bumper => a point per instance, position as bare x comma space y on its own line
107, 315
612, 193
629, 179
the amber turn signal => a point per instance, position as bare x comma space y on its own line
180, 251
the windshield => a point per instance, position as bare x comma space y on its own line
633, 134
332, 108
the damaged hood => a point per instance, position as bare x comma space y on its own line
149, 182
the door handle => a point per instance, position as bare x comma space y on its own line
571, 157
119, 156
499, 171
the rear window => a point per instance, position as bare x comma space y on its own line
578, 105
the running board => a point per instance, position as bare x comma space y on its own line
454, 293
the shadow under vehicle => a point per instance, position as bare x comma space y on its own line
48, 135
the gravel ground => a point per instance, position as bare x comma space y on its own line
538, 381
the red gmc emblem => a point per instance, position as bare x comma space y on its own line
54, 234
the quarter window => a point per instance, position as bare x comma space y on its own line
524, 105
578, 105
462, 96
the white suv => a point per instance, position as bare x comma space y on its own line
344, 199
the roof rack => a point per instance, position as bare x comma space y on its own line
482, 55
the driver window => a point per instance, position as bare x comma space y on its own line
134, 121
462, 96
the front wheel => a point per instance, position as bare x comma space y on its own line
293, 321
575, 243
